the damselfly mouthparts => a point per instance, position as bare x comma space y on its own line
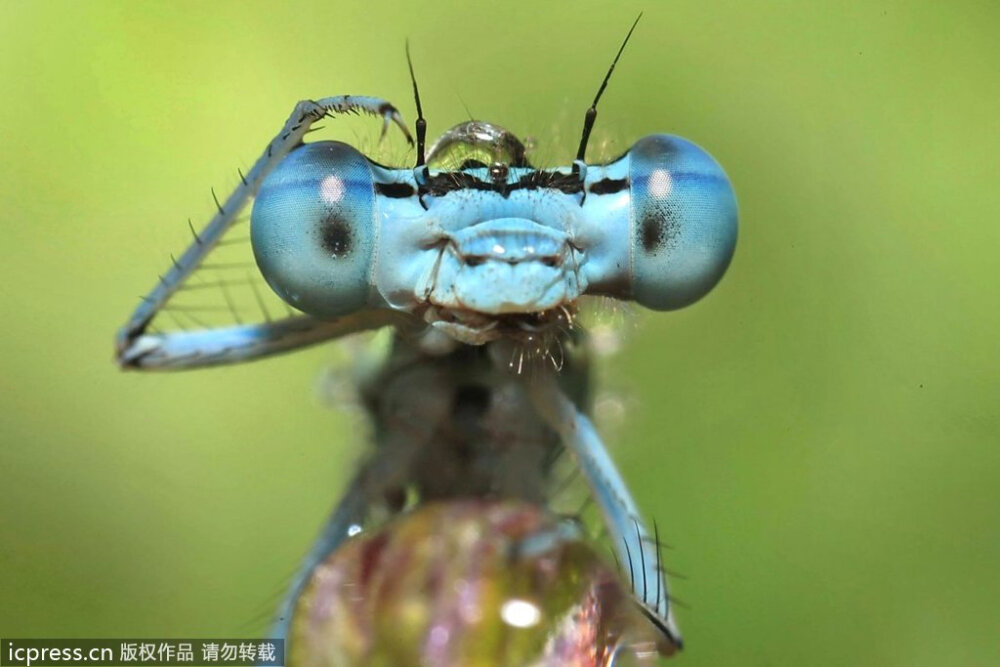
477, 260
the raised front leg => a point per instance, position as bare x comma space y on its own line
636, 547
135, 348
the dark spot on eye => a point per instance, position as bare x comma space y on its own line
474, 261
658, 229
652, 233
336, 236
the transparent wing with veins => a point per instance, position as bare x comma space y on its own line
211, 306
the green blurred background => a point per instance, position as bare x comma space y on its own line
817, 438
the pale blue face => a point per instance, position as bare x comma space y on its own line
482, 250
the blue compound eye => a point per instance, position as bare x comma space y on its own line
313, 229
684, 222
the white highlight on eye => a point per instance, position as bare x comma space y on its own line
353, 530
499, 249
520, 613
660, 183
332, 189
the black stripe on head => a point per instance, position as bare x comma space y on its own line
609, 186
444, 182
395, 190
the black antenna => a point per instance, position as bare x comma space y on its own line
591, 116
421, 123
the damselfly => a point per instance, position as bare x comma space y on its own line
476, 260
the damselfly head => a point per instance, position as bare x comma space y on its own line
475, 241
471, 241
470, 583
